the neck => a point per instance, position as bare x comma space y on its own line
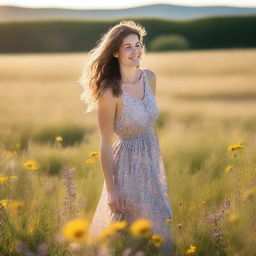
129, 75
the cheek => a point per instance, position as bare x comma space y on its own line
125, 53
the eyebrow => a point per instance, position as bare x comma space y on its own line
130, 44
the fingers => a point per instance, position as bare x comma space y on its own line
119, 206
114, 207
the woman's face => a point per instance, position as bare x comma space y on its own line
130, 51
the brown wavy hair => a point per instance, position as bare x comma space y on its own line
102, 68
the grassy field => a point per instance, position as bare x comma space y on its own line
206, 101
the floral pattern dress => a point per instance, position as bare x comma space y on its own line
138, 169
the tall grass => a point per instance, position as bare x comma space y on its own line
46, 182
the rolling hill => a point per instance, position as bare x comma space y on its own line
164, 11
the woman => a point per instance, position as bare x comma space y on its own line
134, 177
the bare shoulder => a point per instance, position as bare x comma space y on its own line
107, 103
150, 74
151, 79
107, 96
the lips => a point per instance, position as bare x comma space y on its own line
135, 58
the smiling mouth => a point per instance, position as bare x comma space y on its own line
135, 58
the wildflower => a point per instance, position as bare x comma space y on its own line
11, 154
217, 234
141, 227
118, 225
94, 154
179, 225
192, 249
76, 230
192, 207
156, 239
3, 179
168, 220
70, 199
216, 215
127, 251
15, 206
13, 177
229, 168
139, 253
234, 148
89, 161
4, 203
233, 217
105, 234
31, 165
59, 139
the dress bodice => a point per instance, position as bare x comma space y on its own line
136, 115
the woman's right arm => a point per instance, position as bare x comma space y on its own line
106, 116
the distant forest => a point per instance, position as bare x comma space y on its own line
81, 36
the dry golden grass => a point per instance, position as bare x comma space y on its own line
43, 88
209, 97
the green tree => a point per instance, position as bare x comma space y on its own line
169, 43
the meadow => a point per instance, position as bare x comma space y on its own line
50, 167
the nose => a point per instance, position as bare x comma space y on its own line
136, 51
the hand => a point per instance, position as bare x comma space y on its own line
116, 202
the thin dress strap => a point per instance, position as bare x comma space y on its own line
146, 83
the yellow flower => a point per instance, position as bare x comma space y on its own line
235, 147
31, 165
94, 154
59, 139
76, 230
4, 203
203, 202
89, 161
168, 220
229, 168
109, 231
141, 227
233, 217
179, 225
191, 250
118, 225
105, 234
15, 206
13, 177
3, 179
11, 154
157, 240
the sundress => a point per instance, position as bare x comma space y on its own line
138, 169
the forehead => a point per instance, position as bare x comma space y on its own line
130, 39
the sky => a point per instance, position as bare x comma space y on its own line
115, 4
